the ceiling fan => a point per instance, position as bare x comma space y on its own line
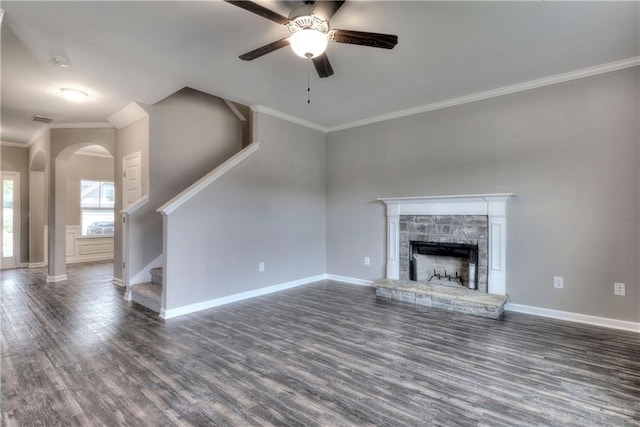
310, 32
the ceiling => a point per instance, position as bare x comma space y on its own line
143, 51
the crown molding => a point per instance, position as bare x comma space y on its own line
42, 131
506, 90
134, 112
13, 144
129, 114
289, 118
96, 125
45, 128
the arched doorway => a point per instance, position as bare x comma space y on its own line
72, 180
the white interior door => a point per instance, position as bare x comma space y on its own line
10, 201
131, 192
131, 179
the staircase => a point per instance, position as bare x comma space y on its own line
149, 294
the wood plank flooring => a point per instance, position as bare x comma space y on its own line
76, 353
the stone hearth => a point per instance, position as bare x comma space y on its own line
457, 299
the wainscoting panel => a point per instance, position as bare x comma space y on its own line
81, 248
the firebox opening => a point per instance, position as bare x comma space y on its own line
453, 264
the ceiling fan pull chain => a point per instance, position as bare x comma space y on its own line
308, 82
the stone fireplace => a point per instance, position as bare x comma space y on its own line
456, 240
448, 244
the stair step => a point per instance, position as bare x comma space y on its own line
148, 295
156, 275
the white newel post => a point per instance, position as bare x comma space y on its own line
491, 205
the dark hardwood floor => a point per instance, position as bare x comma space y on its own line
76, 353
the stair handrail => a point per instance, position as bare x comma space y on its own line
206, 180
135, 205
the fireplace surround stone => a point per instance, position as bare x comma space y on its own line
470, 229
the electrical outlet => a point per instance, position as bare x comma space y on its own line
367, 260
619, 289
558, 282
261, 267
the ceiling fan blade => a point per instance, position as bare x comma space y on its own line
257, 53
323, 66
384, 41
260, 10
325, 9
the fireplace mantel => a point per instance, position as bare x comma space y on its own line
491, 205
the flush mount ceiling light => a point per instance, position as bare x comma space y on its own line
73, 95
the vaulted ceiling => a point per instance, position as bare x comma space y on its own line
143, 51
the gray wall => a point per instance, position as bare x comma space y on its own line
130, 139
190, 133
568, 151
16, 159
82, 167
270, 208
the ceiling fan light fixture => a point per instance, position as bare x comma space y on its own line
73, 95
308, 43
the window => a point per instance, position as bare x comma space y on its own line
97, 202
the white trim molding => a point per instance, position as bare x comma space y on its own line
206, 180
39, 133
129, 114
58, 278
13, 144
191, 308
117, 282
95, 125
288, 117
491, 205
235, 110
349, 280
37, 264
135, 205
494, 93
574, 317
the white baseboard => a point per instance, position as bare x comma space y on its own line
23, 265
350, 280
37, 264
118, 282
574, 317
527, 309
192, 308
58, 278
88, 258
